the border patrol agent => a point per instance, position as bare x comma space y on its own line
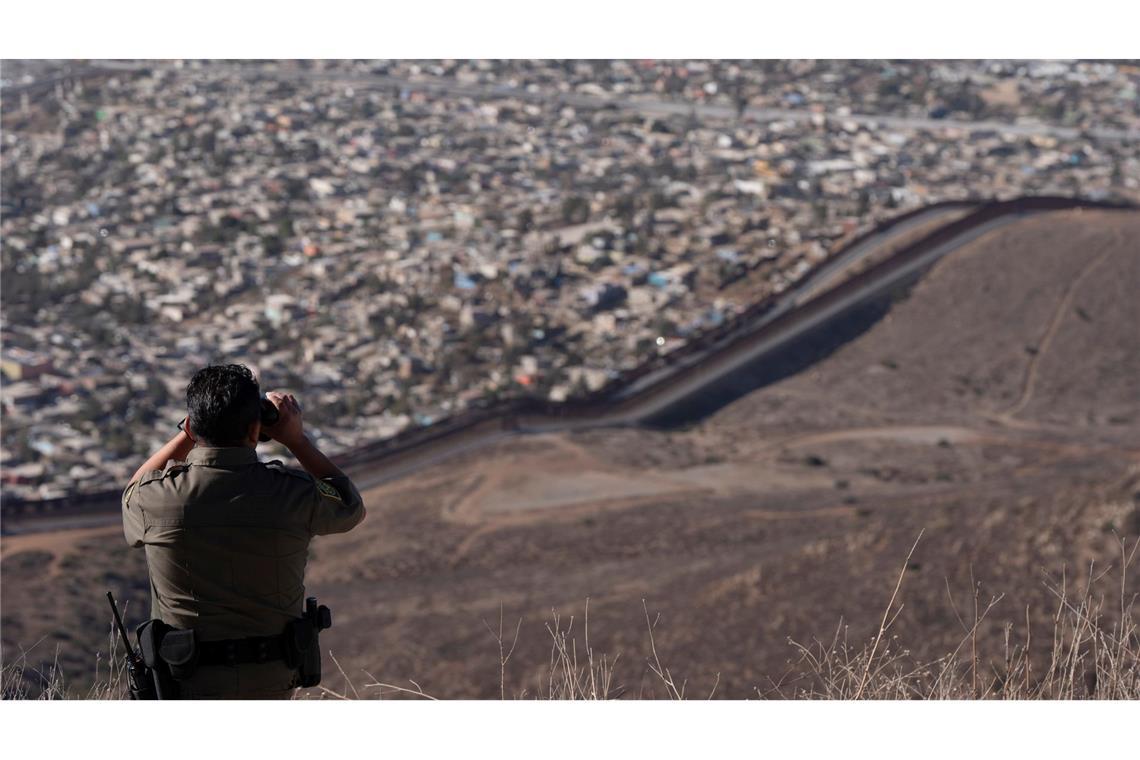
226, 540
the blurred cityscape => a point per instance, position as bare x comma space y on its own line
397, 241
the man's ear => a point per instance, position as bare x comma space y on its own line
189, 433
253, 432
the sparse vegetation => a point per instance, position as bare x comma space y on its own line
20, 680
1094, 654
1087, 659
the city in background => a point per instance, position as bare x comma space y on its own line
398, 241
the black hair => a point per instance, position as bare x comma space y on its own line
223, 401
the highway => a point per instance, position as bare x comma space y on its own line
646, 104
654, 106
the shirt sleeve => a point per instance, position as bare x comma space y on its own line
339, 507
133, 524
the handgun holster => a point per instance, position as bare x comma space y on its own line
150, 636
302, 651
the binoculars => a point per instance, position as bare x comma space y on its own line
269, 417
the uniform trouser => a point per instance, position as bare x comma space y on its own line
267, 680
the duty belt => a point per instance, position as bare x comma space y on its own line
173, 654
241, 651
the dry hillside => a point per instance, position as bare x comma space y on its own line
994, 408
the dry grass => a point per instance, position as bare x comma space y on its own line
19, 680
1092, 655
573, 673
1087, 658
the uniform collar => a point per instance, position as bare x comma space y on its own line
222, 455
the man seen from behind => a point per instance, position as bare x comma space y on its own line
226, 540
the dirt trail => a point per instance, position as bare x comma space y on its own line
57, 543
936, 434
1063, 308
922, 434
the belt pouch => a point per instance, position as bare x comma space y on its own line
179, 649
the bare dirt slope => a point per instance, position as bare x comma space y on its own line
994, 409
1037, 320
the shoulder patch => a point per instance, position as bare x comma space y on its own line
327, 490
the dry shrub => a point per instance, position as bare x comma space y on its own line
20, 680
1092, 655
1088, 658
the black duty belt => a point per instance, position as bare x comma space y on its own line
241, 651
173, 654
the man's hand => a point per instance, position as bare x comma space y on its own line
287, 430
289, 433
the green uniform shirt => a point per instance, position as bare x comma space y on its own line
226, 540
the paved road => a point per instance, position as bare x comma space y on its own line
828, 275
717, 366
799, 315
393, 467
651, 105
648, 104
715, 363
718, 360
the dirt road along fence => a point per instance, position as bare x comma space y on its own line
613, 401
